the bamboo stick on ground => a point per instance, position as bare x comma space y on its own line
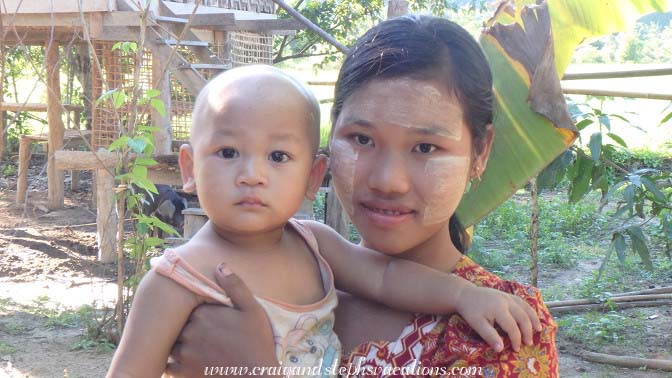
608, 306
627, 361
616, 299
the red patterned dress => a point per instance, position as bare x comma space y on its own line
447, 343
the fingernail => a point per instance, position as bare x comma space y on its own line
498, 347
224, 269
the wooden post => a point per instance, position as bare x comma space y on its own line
162, 138
24, 162
74, 174
56, 128
106, 216
396, 8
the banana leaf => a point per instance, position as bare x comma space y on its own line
529, 45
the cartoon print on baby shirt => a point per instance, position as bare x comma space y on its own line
312, 344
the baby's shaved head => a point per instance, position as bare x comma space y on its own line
254, 87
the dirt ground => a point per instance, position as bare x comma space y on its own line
47, 265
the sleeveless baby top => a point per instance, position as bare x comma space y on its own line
305, 341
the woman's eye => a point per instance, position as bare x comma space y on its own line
278, 157
425, 148
363, 140
228, 153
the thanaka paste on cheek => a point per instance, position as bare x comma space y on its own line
438, 114
343, 163
445, 176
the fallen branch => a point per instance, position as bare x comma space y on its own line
608, 306
626, 361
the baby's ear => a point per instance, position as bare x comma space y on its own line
317, 172
186, 161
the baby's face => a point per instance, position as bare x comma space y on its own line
252, 159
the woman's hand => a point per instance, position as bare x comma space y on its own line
482, 307
217, 336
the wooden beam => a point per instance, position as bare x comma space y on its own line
56, 127
67, 20
619, 73
85, 160
567, 89
35, 107
42, 6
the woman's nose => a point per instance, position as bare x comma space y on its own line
389, 175
252, 173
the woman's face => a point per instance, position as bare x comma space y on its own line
401, 156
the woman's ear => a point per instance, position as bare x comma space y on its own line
186, 161
317, 172
483, 152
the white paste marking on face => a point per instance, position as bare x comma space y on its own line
343, 162
445, 175
438, 115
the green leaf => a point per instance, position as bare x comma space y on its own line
639, 245
651, 187
581, 183
152, 93
666, 119
105, 96
145, 184
150, 129
635, 179
584, 123
604, 119
137, 144
120, 142
154, 242
118, 99
165, 227
158, 106
139, 171
148, 162
617, 139
595, 146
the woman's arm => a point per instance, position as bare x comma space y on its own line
160, 309
408, 286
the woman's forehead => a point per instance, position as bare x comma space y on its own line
421, 106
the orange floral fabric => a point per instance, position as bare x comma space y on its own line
447, 342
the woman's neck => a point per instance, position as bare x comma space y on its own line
438, 252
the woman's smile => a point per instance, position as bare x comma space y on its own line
385, 214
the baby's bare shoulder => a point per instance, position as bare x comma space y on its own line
203, 255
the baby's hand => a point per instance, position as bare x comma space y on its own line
482, 307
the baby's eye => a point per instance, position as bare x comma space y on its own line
228, 153
424, 148
363, 140
278, 157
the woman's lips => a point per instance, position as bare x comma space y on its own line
386, 215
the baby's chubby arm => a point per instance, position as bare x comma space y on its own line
160, 309
413, 287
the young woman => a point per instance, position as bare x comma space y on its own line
412, 118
